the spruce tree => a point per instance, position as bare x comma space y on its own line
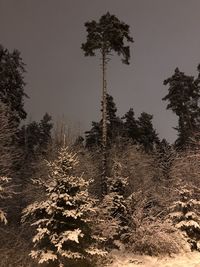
35, 137
130, 126
45, 127
12, 83
94, 136
183, 98
114, 123
164, 157
186, 216
148, 137
63, 220
114, 127
114, 209
11, 161
12, 112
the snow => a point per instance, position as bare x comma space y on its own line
72, 236
188, 224
130, 260
41, 232
45, 255
3, 217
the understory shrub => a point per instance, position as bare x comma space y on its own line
156, 238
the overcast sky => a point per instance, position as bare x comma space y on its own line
61, 81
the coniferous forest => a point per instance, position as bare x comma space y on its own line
118, 189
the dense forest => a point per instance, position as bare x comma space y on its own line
72, 201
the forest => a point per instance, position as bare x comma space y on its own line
73, 201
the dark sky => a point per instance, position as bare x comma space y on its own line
61, 81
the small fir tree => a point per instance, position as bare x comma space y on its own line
63, 223
164, 158
115, 209
186, 215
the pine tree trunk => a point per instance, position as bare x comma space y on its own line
104, 128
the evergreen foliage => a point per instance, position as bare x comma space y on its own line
9, 154
114, 208
12, 83
185, 214
114, 127
130, 126
10, 158
34, 137
107, 35
45, 127
165, 155
63, 219
148, 137
137, 131
183, 99
114, 123
94, 136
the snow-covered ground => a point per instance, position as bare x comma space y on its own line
130, 260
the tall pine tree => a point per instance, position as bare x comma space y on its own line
106, 36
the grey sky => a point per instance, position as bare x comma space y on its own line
61, 81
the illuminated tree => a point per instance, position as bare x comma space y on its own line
64, 219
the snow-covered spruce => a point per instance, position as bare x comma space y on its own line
185, 214
64, 219
114, 209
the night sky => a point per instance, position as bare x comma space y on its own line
61, 81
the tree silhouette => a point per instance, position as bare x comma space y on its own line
183, 99
131, 130
113, 123
148, 136
12, 83
106, 36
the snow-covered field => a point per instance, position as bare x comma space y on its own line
130, 260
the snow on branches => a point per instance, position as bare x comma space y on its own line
114, 209
64, 219
185, 214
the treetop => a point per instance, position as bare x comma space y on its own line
107, 35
